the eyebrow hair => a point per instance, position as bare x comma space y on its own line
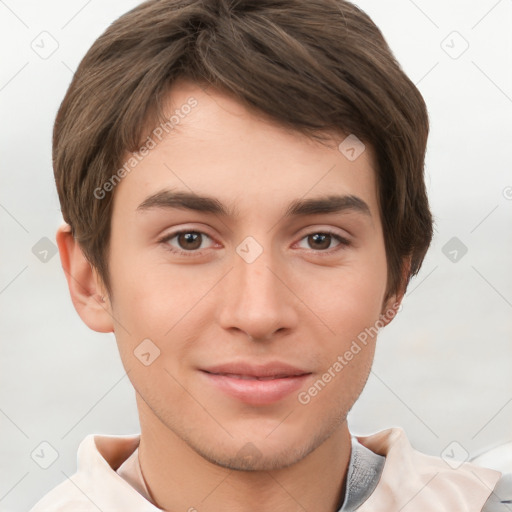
299, 207
327, 204
187, 201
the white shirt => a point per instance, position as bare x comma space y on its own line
108, 478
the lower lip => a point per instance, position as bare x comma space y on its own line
257, 392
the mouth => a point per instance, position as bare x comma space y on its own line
256, 384
253, 377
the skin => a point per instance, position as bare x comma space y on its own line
299, 302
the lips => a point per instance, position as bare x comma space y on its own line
274, 370
252, 377
256, 384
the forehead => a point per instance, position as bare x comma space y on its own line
214, 145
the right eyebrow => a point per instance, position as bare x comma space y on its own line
185, 200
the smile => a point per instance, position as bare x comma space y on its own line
256, 384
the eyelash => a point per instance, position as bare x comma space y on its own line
343, 243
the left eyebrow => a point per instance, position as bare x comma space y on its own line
328, 204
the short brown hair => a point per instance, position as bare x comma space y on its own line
312, 66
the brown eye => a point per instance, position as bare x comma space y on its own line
323, 241
190, 240
319, 241
187, 242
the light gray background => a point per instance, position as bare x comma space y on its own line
442, 368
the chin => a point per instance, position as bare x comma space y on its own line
273, 451
251, 458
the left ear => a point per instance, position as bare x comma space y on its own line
392, 304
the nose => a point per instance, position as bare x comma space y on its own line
257, 298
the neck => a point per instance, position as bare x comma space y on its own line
178, 478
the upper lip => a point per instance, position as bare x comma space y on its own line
271, 369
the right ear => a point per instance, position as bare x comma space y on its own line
85, 285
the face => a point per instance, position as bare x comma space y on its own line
246, 261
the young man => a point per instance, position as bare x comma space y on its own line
242, 185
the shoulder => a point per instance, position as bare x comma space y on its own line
64, 497
428, 482
67, 495
96, 485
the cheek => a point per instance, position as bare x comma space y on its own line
350, 298
148, 295
349, 302
334, 391
351, 310
161, 304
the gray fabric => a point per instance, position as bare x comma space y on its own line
501, 498
363, 475
365, 468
